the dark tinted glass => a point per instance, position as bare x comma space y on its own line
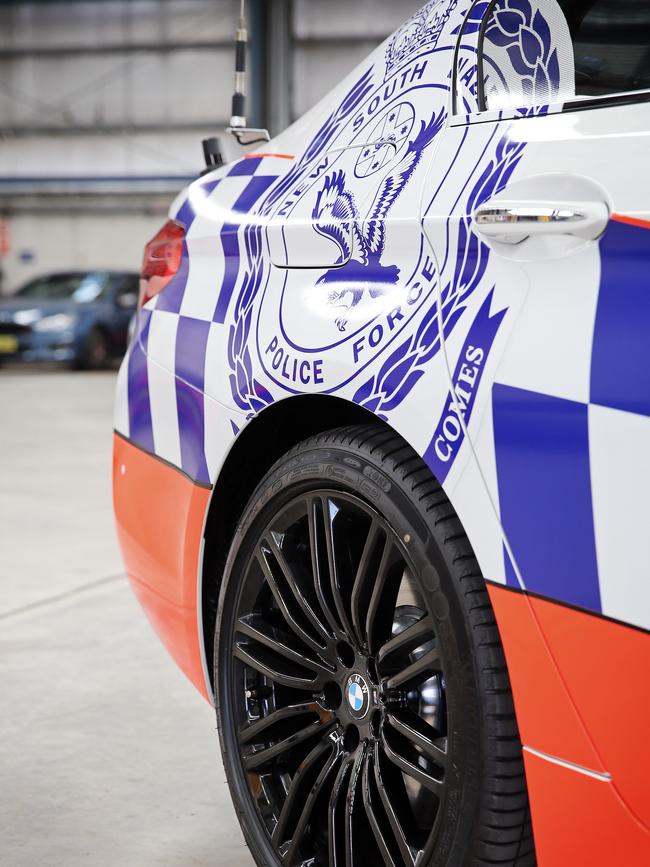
125, 283
611, 45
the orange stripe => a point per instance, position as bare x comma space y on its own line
579, 821
631, 221
159, 514
590, 652
546, 715
277, 156
579, 689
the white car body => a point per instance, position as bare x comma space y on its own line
349, 260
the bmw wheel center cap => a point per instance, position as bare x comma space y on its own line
357, 695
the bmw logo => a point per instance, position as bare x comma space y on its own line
357, 696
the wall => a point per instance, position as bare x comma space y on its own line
331, 37
103, 106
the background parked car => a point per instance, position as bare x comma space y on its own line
79, 317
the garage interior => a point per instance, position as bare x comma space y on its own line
107, 755
103, 106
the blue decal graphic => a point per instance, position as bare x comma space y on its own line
249, 395
140, 424
449, 434
527, 39
362, 274
402, 369
518, 47
389, 132
336, 210
620, 365
472, 23
191, 342
421, 31
230, 235
542, 454
322, 139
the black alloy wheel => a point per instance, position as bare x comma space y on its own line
352, 724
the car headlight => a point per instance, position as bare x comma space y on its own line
57, 322
26, 317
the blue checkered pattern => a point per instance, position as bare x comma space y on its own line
183, 337
558, 454
551, 453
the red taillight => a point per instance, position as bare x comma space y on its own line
161, 260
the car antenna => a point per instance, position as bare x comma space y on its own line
212, 148
238, 113
245, 135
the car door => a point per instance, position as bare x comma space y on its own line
546, 255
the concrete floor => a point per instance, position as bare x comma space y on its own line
108, 756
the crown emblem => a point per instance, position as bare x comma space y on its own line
422, 30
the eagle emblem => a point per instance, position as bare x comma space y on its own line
361, 240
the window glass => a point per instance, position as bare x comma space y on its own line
611, 44
126, 284
80, 287
537, 52
127, 289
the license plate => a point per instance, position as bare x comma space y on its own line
8, 343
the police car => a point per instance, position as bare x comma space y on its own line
381, 453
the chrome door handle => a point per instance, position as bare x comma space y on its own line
524, 215
511, 221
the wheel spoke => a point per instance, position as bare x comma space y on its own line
295, 586
269, 668
417, 773
405, 642
256, 731
408, 853
261, 757
337, 805
308, 807
253, 627
379, 618
320, 558
296, 790
286, 607
335, 577
350, 804
434, 748
416, 672
371, 815
364, 579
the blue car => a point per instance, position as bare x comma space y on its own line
78, 317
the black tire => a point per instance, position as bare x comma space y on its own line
465, 804
95, 353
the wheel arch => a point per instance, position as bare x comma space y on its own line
267, 437
258, 446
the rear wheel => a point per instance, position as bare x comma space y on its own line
95, 353
363, 698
